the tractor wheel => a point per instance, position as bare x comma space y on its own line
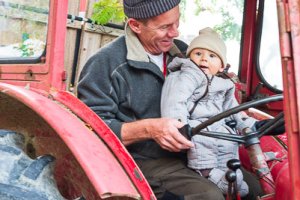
23, 178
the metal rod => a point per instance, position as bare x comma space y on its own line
111, 25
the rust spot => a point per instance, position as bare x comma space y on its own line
50, 96
89, 126
137, 174
43, 59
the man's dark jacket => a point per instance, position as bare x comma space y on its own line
121, 84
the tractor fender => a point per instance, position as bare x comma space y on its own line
51, 125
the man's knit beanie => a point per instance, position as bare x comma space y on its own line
143, 9
210, 40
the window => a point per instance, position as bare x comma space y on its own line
225, 17
23, 28
269, 55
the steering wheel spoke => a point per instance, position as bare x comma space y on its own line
224, 136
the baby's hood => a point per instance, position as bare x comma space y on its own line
184, 64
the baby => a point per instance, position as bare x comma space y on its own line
192, 93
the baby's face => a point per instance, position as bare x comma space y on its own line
207, 60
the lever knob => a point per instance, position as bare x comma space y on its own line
234, 164
230, 176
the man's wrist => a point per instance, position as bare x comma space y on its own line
135, 131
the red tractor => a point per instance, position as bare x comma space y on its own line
52, 146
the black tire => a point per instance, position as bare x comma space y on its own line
23, 178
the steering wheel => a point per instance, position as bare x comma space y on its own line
250, 137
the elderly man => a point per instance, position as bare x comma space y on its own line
122, 83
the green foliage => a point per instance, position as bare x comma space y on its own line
105, 11
228, 29
24, 47
182, 7
26, 50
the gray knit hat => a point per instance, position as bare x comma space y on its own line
143, 9
210, 40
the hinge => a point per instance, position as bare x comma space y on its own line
287, 18
284, 29
64, 76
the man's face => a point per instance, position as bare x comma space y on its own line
207, 60
157, 34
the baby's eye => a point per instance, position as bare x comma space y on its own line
213, 55
198, 53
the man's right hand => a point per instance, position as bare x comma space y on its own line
163, 130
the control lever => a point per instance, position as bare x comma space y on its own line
231, 177
234, 164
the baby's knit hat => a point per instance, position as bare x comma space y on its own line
210, 40
143, 9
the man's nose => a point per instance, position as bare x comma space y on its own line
173, 31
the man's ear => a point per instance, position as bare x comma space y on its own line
134, 25
225, 68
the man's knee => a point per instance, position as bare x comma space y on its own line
213, 194
216, 195
171, 196
208, 195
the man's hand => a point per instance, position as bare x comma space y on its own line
163, 130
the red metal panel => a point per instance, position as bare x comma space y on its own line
279, 167
289, 46
100, 165
292, 80
283, 190
82, 8
248, 45
93, 121
57, 34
